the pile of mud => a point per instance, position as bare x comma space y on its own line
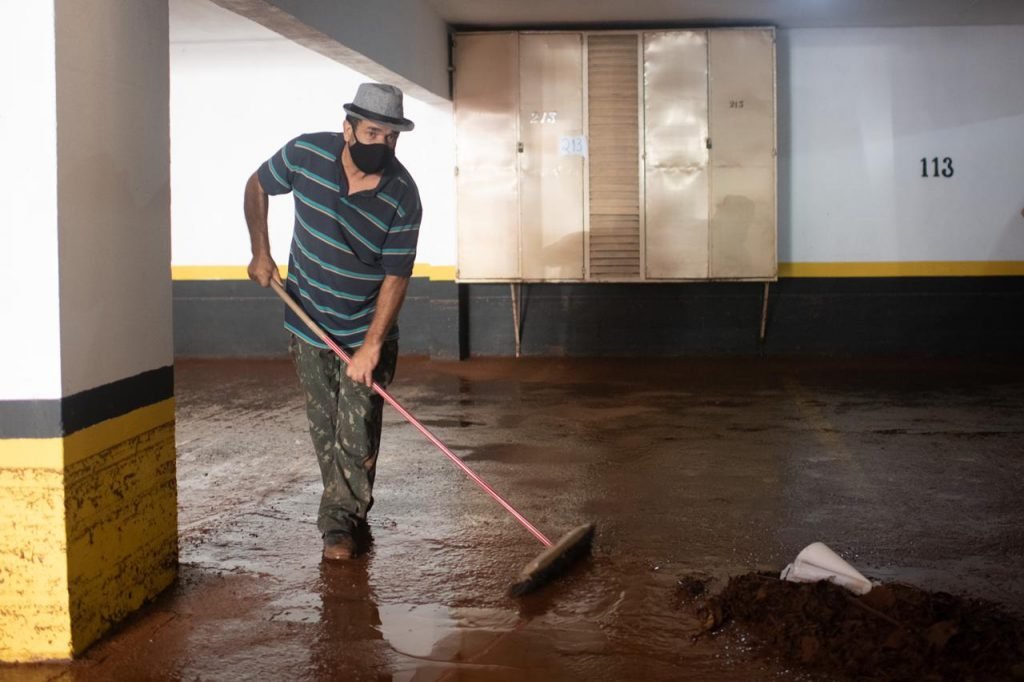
895, 632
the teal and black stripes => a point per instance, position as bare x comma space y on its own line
328, 267
319, 151
282, 180
343, 245
393, 203
333, 186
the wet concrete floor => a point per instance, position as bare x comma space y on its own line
910, 469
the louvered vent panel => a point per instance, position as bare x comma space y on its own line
614, 157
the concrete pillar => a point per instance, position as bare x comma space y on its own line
87, 471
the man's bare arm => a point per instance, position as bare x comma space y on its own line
262, 268
389, 302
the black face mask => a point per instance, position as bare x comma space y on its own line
370, 158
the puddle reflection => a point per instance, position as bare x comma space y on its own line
358, 638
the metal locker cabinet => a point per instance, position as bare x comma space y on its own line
615, 222
742, 125
550, 180
675, 154
486, 90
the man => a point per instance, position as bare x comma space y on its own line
357, 217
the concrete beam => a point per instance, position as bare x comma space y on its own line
403, 42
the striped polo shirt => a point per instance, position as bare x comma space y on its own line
342, 245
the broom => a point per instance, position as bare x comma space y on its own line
556, 557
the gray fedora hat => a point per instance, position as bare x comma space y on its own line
380, 103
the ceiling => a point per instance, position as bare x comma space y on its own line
780, 13
200, 20
206, 21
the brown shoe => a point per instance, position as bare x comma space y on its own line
339, 547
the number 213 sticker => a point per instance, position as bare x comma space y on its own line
569, 145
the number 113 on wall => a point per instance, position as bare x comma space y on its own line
943, 169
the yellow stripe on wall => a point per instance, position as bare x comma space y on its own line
438, 273
210, 272
904, 269
443, 273
446, 273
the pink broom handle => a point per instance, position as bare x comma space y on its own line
315, 328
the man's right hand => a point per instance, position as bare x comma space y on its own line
263, 269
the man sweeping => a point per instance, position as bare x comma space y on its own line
357, 218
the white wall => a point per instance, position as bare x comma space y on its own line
859, 108
114, 183
29, 296
865, 106
239, 92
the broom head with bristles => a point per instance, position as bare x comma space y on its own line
554, 560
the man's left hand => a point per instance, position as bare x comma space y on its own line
364, 361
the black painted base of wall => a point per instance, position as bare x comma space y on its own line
956, 316
240, 319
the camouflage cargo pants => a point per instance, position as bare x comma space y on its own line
345, 423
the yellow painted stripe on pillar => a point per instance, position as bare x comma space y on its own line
44, 635
35, 624
32, 453
81, 513
904, 269
121, 521
58, 453
98, 437
442, 273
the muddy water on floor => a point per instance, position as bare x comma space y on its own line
715, 468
